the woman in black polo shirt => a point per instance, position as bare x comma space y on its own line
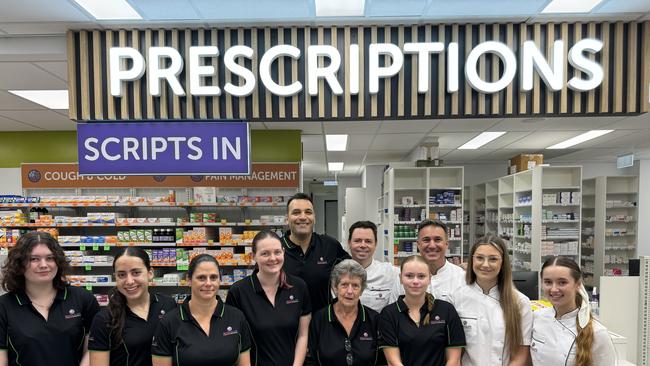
277, 306
121, 334
418, 330
42, 320
202, 331
345, 332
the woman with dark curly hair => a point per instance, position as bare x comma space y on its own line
43, 321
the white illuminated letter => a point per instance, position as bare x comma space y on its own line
88, 145
249, 79
177, 148
329, 73
374, 71
115, 57
156, 72
198, 153
105, 153
354, 69
265, 70
158, 145
215, 148
452, 67
593, 70
198, 71
234, 150
532, 58
130, 147
423, 50
509, 67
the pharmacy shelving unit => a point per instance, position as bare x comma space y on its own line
506, 209
613, 201
412, 194
547, 207
587, 257
478, 221
467, 219
492, 206
236, 216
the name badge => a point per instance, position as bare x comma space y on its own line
292, 300
230, 331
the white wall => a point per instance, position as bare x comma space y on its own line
345, 182
643, 235
10, 183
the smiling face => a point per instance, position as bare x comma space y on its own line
205, 281
301, 217
269, 255
560, 288
132, 277
362, 244
348, 290
432, 244
41, 266
415, 278
486, 264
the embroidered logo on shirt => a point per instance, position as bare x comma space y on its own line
72, 314
162, 314
436, 320
321, 260
230, 331
292, 300
365, 337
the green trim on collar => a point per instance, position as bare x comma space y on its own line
223, 308
329, 312
65, 293
18, 299
180, 309
398, 308
363, 313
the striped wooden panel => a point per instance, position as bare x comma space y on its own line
624, 89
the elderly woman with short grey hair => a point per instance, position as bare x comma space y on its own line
344, 332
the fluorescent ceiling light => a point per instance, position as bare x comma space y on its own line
109, 9
570, 6
52, 99
580, 139
480, 140
335, 167
336, 142
339, 8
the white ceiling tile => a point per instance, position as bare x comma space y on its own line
397, 141
313, 157
45, 119
631, 123
465, 155
160, 9
627, 6
313, 143
305, 127
44, 28
405, 126
25, 76
362, 127
10, 125
505, 140
464, 125
588, 155
252, 9
10, 101
41, 10
58, 69
542, 140
452, 140
257, 125
384, 157
345, 156
359, 142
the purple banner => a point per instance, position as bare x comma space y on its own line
164, 148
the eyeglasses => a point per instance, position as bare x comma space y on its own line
490, 260
348, 348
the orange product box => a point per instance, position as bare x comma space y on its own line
523, 162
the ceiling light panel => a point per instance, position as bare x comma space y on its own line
336, 142
339, 8
335, 167
580, 139
109, 10
481, 140
570, 6
52, 99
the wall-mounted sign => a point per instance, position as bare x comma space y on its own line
359, 73
66, 175
164, 148
625, 161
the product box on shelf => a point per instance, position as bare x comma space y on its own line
523, 162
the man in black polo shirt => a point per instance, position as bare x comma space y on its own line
308, 255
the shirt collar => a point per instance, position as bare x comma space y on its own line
257, 286
332, 318
403, 308
184, 309
442, 269
289, 245
23, 299
493, 292
571, 315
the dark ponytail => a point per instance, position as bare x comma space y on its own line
117, 302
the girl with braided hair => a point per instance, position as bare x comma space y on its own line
417, 329
567, 334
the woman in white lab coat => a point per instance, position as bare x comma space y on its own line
567, 334
497, 319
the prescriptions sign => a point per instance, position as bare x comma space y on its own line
164, 148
